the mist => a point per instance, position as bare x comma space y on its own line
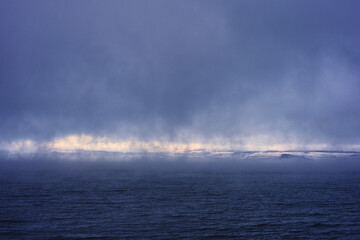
211, 71
98, 163
181, 119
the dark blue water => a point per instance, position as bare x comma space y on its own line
113, 203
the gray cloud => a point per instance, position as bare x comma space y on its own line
153, 69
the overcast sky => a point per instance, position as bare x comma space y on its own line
284, 71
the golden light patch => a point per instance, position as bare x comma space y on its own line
72, 143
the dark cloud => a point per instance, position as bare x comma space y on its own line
157, 69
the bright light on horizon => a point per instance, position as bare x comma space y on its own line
84, 142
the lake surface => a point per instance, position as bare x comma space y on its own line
113, 203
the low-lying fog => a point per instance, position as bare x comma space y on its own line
157, 162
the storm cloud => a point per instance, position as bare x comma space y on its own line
280, 71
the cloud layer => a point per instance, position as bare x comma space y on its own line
267, 72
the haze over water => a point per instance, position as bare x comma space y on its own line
179, 119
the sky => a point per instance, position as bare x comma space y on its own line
179, 75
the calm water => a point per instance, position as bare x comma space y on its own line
112, 203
